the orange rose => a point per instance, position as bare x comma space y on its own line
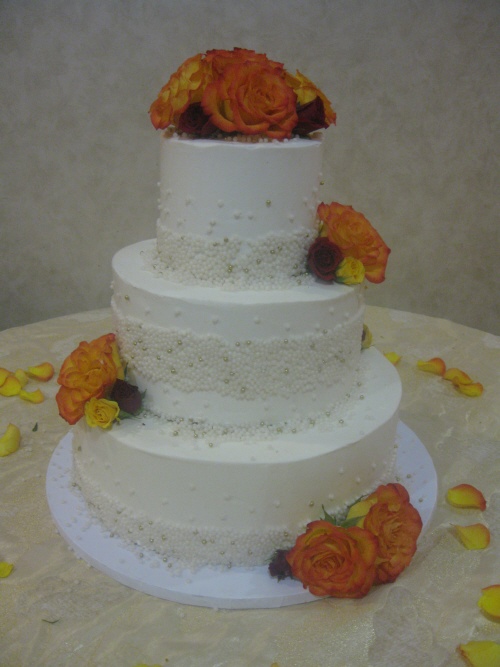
219, 59
184, 87
396, 524
355, 236
330, 560
307, 91
251, 98
89, 371
71, 404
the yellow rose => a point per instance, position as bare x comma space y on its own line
350, 271
101, 412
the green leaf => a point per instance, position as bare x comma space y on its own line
329, 517
351, 522
35, 427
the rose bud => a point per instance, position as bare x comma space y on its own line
127, 396
323, 258
279, 566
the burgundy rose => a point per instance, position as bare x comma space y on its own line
195, 121
279, 566
311, 117
127, 396
323, 258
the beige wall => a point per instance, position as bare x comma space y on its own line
414, 84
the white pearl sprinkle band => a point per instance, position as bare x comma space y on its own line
274, 261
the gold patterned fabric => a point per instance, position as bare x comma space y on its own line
55, 610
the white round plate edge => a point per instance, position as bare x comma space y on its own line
235, 588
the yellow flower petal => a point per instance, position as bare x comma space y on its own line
481, 653
5, 569
434, 365
359, 510
43, 372
467, 496
393, 357
32, 396
473, 389
476, 536
367, 338
457, 376
11, 386
21, 376
4, 374
10, 441
490, 601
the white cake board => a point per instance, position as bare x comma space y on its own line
235, 588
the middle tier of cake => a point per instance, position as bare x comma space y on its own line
227, 359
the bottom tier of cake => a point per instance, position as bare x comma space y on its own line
233, 499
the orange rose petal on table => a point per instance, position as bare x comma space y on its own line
32, 396
474, 389
11, 386
4, 374
481, 653
457, 376
466, 496
476, 536
22, 377
435, 365
5, 569
10, 440
393, 357
490, 601
43, 372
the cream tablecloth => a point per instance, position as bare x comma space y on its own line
56, 610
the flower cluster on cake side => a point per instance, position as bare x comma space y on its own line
93, 385
344, 558
348, 248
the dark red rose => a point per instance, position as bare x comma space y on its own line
323, 258
127, 396
311, 117
279, 566
195, 121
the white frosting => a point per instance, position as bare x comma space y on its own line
237, 214
228, 503
260, 406
239, 357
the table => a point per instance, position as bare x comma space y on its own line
56, 610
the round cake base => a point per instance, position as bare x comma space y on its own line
235, 588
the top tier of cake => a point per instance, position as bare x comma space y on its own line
237, 214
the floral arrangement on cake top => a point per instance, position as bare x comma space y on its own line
240, 92
348, 249
344, 559
93, 385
